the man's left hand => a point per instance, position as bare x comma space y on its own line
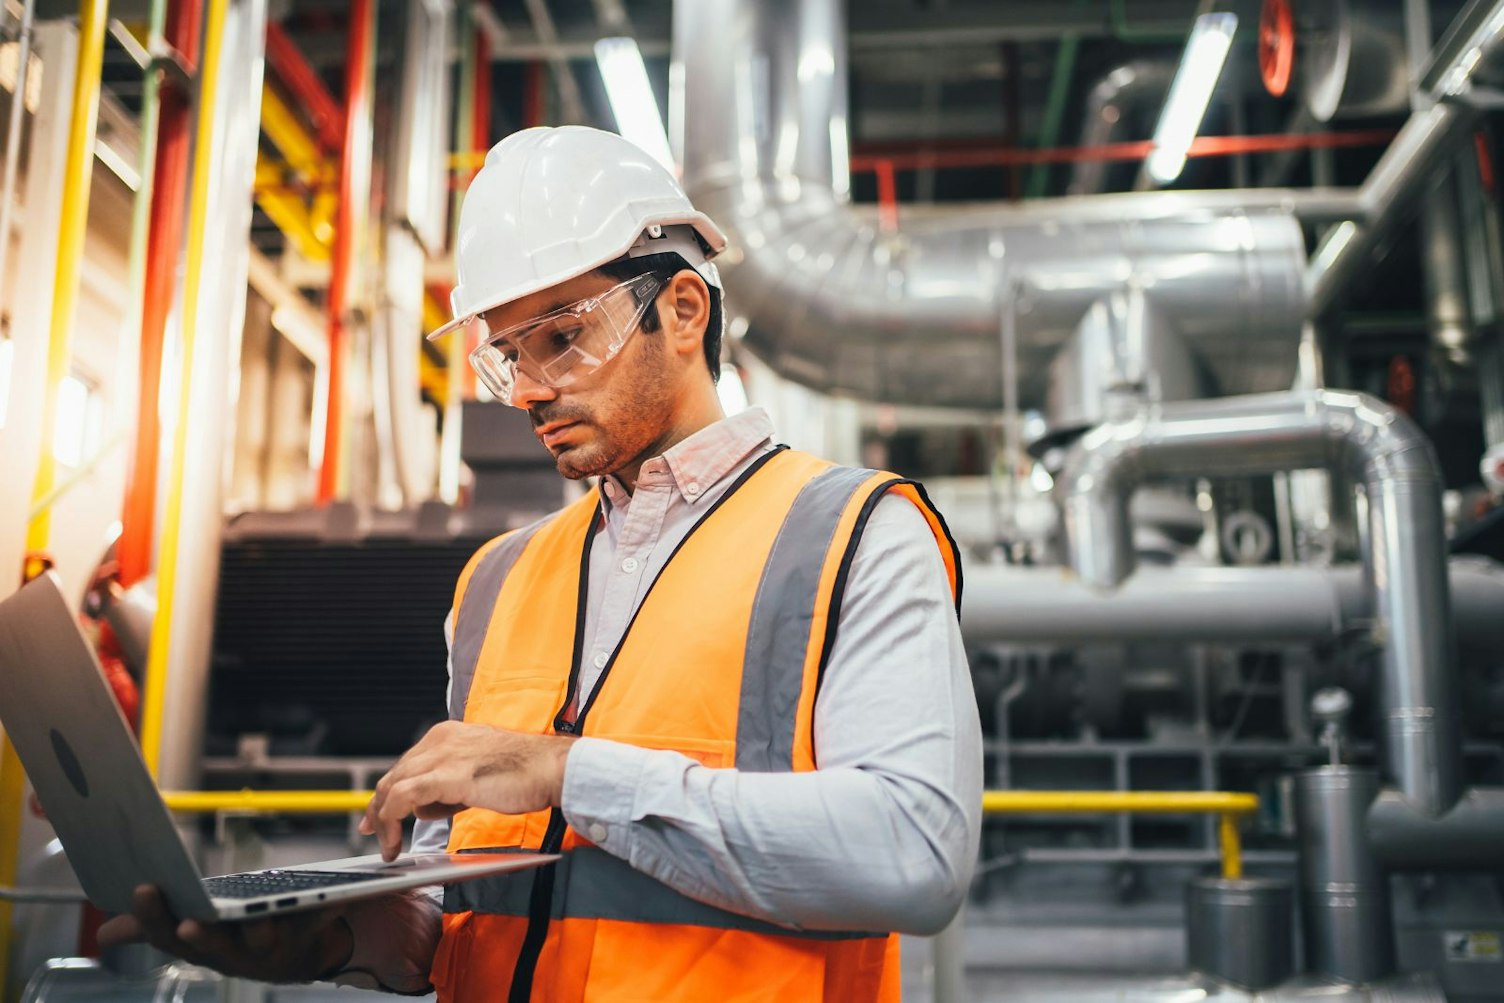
459, 765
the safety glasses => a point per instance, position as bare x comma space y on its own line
565, 345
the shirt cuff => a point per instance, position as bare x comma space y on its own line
600, 791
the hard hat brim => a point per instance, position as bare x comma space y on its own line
713, 236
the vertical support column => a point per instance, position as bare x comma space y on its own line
214, 290
456, 348
1344, 893
77, 172
169, 197
354, 182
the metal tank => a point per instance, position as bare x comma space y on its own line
1349, 929
1241, 930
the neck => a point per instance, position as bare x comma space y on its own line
700, 410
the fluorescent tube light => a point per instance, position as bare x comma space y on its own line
1205, 53
631, 97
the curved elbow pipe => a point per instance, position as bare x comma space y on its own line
1406, 542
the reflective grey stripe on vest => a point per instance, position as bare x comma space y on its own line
592, 884
778, 636
476, 607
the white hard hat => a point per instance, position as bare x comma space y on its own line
551, 204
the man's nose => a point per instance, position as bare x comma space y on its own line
527, 391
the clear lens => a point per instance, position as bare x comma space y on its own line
566, 345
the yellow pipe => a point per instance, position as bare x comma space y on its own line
286, 131
72, 227
1228, 806
300, 802
1155, 802
287, 210
1232, 845
432, 378
154, 699
435, 314
468, 160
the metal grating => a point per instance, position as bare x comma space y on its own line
331, 648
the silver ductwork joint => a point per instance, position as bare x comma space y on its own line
1381, 448
828, 298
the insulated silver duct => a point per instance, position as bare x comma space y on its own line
1122, 92
1382, 449
759, 117
1472, 45
1010, 604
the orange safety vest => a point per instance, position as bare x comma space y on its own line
721, 662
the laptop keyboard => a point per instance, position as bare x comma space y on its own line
249, 886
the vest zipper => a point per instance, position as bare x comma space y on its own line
540, 901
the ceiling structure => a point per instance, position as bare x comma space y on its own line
942, 92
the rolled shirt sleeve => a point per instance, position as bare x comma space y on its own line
883, 836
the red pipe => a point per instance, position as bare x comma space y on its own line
305, 85
480, 105
169, 203
887, 196
907, 157
1485, 161
354, 162
532, 94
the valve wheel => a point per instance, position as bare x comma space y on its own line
1276, 46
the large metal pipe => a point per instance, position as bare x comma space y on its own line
1123, 91
1263, 605
1380, 447
1469, 837
1411, 160
759, 115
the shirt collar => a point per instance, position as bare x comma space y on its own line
705, 458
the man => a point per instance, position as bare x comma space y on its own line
727, 685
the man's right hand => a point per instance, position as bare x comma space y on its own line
299, 947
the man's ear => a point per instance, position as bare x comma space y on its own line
684, 311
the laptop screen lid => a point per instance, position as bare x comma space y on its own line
83, 760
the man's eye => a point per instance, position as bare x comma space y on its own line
563, 337
510, 354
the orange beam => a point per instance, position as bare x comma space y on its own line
907, 157
169, 202
354, 163
303, 82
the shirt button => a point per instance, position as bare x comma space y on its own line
692, 490
629, 565
596, 832
600, 659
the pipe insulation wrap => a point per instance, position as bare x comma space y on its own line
1406, 542
829, 299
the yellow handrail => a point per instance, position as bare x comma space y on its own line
1228, 806
288, 802
72, 228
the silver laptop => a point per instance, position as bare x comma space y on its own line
100, 798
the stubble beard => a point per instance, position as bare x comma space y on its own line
632, 427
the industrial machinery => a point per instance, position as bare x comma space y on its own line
1233, 595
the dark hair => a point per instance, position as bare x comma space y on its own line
668, 264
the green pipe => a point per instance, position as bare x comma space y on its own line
1054, 111
1125, 32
